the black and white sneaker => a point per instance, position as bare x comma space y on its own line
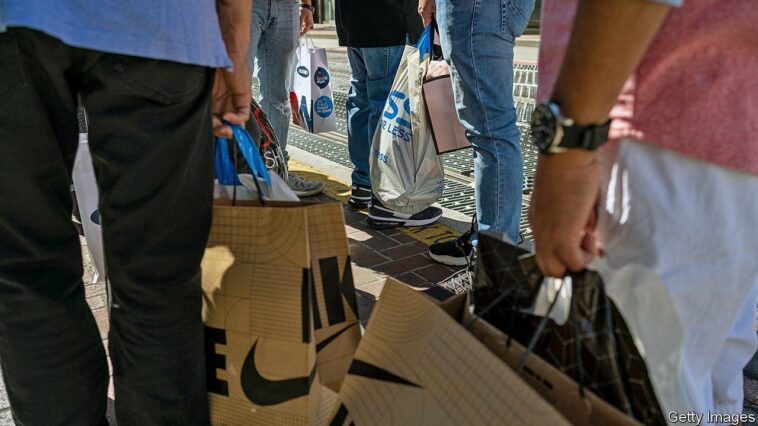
360, 197
380, 217
457, 252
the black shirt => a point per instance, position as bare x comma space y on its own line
377, 23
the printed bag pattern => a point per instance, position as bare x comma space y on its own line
594, 347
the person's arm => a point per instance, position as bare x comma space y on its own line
609, 39
231, 91
427, 8
306, 17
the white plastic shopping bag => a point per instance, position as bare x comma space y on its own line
87, 196
313, 90
406, 172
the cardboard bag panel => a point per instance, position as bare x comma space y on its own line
557, 388
417, 365
261, 309
336, 312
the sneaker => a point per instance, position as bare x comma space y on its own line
304, 188
460, 282
360, 197
457, 252
381, 217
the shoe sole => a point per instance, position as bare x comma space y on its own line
384, 222
358, 205
449, 260
310, 193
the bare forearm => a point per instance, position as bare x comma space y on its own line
609, 39
235, 17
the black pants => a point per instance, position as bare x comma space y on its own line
151, 141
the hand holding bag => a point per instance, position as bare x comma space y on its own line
593, 347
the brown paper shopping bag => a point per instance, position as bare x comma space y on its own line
417, 365
580, 406
280, 313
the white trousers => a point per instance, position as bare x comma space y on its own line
681, 262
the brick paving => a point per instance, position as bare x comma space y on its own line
378, 254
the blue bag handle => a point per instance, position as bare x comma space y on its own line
250, 152
424, 44
225, 170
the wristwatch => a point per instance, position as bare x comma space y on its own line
552, 133
307, 6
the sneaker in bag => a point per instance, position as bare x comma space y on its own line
304, 188
360, 197
457, 252
380, 217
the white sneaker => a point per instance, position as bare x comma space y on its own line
304, 188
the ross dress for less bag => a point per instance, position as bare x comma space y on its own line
406, 172
418, 365
279, 310
313, 91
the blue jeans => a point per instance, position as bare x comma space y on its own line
275, 31
478, 37
372, 72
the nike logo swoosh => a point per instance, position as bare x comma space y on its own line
324, 343
264, 392
364, 369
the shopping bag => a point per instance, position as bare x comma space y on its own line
262, 133
262, 183
447, 131
418, 365
406, 173
87, 198
594, 346
313, 88
581, 407
279, 310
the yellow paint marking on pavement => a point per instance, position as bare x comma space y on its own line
339, 190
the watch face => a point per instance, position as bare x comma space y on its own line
543, 127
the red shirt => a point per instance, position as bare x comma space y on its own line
696, 89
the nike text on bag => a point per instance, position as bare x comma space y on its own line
313, 91
418, 365
406, 172
87, 197
280, 312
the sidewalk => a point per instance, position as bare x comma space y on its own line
400, 253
